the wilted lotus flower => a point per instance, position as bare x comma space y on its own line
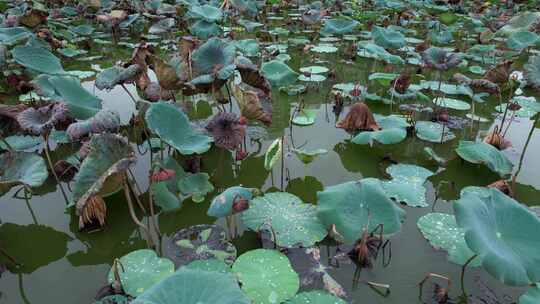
41, 120
440, 59
93, 213
65, 171
162, 174
359, 118
227, 130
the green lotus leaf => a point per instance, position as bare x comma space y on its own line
114, 299
439, 37
338, 26
209, 265
141, 269
532, 295
194, 286
380, 53
452, 103
324, 48
205, 12
164, 198
307, 156
196, 185
13, 35
70, 52
200, 242
482, 153
204, 30
520, 22
433, 156
273, 154
249, 25
37, 59
248, 47
173, 127
433, 132
21, 142
448, 18
278, 73
305, 117
213, 55
22, 168
393, 131
312, 77
110, 155
477, 70
440, 59
103, 121
292, 222
407, 184
111, 77
352, 206
293, 89
387, 38
222, 205
446, 88
315, 297
502, 232
442, 232
314, 69
522, 40
81, 104
247, 6
83, 29
383, 78
532, 71
266, 276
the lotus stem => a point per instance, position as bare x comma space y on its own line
462, 278
129, 93
117, 284
51, 167
127, 194
522, 156
8, 256
10, 148
21, 289
137, 200
152, 212
27, 201
282, 161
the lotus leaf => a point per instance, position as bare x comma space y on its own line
164, 198
109, 155
12, 35
111, 77
172, 126
440, 59
508, 248
205, 12
204, 30
452, 103
407, 184
315, 69
42, 120
21, 142
307, 156
222, 205
315, 297
387, 38
305, 117
383, 78
393, 130
522, 40
483, 153
103, 121
532, 295
213, 55
312, 77
209, 265
249, 47
273, 154
442, 232
433, 132
194, 286
140, 270
278, 73
380, 53
266, 276
338, 26
520, 22
433, 156
532, 71
324, 48
37, 59
22, 168
352, 206
200, 242
448, 89
196, 185
113, 299
292, 222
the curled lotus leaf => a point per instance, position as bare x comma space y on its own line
433, 132
22, 168
223, 204
196, 185
173, 127
440, 59
109, 155
38, 59
315, 297
141, 269
338, 26
200, 242
103, 121
266, 276
380, 53
292, 222
205, 12
273, 154
532, 295
307, 156
111, 77
358, 205
388, 38
508, 248
42, 120
407, 184
442, 232
194, 286
254, 104
278, 73
212, 56
483, 153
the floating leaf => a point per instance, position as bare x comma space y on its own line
200, 242
442, 232
393, 131
293, 222
278, 73
305, 117
172, 126
338, 26
407, 184
452, 103
196, 185
266, 276
433, 132
482, 153
141, 269
351, 206
315, 297
307, 156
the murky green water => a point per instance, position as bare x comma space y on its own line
69, 267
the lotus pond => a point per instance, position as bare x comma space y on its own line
240, 151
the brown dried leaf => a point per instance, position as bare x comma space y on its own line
359, 118
250, 103
500, 73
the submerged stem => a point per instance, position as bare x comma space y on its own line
462, 278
